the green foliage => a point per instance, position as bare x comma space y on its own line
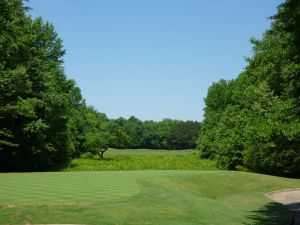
253, 121
133, 133
97, 143
213, 111
36, 99
166, 134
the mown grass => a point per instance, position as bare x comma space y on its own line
113, 151
141, 159
141, 197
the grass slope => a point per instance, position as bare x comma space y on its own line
141, 197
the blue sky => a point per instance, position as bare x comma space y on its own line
154, 59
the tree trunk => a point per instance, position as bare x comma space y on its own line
101, 153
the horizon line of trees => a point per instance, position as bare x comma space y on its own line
93, 129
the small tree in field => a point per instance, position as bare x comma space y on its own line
98, 143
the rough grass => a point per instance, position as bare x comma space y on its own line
142, 159
141, 197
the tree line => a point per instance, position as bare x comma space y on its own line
96, 133
166, 134
44, 120
253, 121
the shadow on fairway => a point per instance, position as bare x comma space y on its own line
271, 214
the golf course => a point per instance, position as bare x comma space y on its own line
151, 112
204, 196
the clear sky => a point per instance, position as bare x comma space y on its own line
154, 59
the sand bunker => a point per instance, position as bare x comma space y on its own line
291, 199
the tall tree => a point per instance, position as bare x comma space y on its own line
36, 98
255, 121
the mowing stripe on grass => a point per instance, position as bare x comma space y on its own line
65, 187
141, 197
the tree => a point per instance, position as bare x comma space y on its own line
36, 98
97, 143
254, 120
107, 136
133, 128
217, 99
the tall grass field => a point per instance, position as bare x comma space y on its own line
142, 159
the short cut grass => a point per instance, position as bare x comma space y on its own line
141, 197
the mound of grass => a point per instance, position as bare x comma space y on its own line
141, 197
128, 160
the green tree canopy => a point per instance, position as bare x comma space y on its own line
36, 98
254, 120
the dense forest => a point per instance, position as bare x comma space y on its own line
253, 121
44, 121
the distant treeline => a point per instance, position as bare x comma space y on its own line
90, 126
166, 134
44, 121
253, 121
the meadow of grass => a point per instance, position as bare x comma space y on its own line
141, 197
142, 159
113, 151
